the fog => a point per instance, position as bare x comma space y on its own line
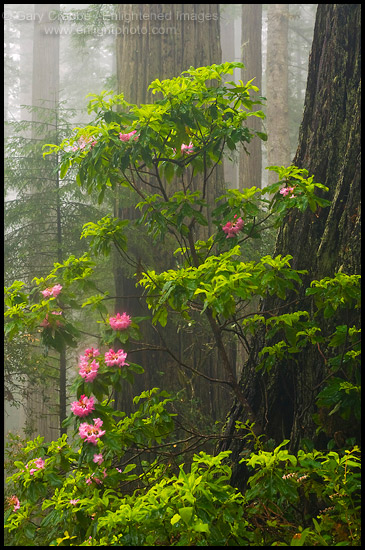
56, 54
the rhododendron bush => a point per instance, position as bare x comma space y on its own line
121, 480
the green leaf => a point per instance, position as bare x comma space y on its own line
201, 527
136, 368
129, 468
169, 171
186, 513
175, 518
113, 441
54, 480
64, 168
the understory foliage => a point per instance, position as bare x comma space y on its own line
127, 480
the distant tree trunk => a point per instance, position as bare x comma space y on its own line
277, 121
25, 67
329, 148
250, 165
45, 83
45, 97
167, 39
250, 160
230, 44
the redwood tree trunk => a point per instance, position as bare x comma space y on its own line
250, 165
329, 148
45, 96
277, 121
160, 41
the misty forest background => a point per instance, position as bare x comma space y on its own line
95, 47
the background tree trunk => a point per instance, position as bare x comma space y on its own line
230, 31
277, 121
250, 165
161, 41
45, 98
329, 148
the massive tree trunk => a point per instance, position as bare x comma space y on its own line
161, 41
324, 243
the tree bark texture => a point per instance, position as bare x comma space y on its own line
161, 41
323, 243
230, 43
277, 121
250, 164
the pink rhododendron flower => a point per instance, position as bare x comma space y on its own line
52, 291
91, 352
116, 358
120, 322
98, 458
88, 370
39, 463
91, 433
232, 228
83, 406
74, 500
83, 141
56, 290
14, 501
127, 137
92, 478
286, 190
187, 148
46, 323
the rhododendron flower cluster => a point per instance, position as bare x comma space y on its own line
52, 291
83, 141
91, 352
14, 501
120, 322
98, 458
116, 358
232, 228
46, 323
38, 462
127, 137
88, 370
92, 478
187, 148
91, 433
286, 190
83, 406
